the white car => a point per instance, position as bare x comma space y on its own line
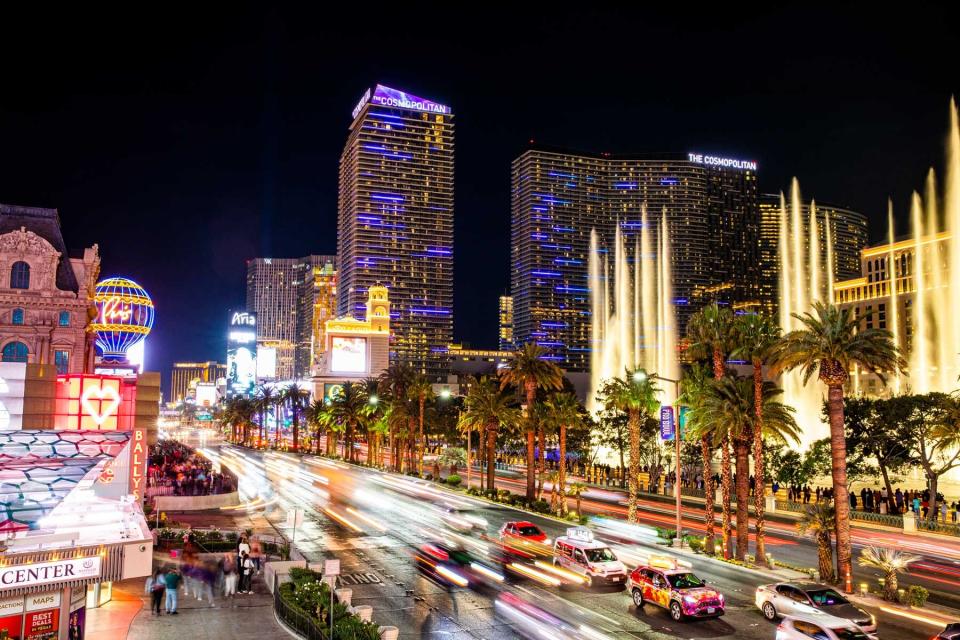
803, 598
819, 626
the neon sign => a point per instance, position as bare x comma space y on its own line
107, 401
243, 319
724, 163
138, 462
387, 97
94, 402
363, 101
115, 311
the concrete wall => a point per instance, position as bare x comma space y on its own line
196, 503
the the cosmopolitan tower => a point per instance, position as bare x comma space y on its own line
396, 221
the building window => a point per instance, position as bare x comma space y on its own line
62, 360
20, 275
64, 319
17, 316
15, 352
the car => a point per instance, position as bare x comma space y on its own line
523, 531
580, 553
444, 563
951, 632
664, 583
462, 520
788, 598
821, 626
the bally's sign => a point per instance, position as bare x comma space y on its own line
29, 575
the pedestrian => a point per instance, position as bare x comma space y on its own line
818, 494
155, 587
916, 504
171, 586
256, 552
246, 574
229, 576
853, 500
806, 494
244, 546
207, 576
943, 512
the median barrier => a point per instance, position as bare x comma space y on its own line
196, 503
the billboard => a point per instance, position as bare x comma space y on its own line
348, 355
206, 394
241, 354
266, 363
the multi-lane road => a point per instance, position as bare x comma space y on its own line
373, 523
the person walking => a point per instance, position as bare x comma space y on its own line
171, 586
155, 588
229, 576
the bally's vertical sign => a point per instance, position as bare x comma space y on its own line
138, 462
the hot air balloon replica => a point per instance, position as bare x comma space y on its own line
124, 317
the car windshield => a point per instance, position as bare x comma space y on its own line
600, 555
684, 581
529, 530
848, 633
826, 597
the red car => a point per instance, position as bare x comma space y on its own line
523, 531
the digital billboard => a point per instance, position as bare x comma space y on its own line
241, 354
348, 355
206, 394
95, 402
266, 363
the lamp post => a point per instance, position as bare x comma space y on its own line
638, 377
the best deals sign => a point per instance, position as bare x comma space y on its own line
94, 402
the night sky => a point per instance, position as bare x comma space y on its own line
188, 139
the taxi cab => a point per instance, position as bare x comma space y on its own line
663, 583
579, 552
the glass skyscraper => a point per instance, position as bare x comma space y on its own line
558, 196
396, 221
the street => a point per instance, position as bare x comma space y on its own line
373, 522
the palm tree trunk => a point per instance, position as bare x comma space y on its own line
759, 467
725, 485
531, 390
743, 498
932, 479
296, 427
825, 557
263, 421
634, 426
710, 495
562, 471
491, 448
421, 442
718, 365
543, 458
890, 586
841, 500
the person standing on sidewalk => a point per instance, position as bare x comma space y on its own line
172, 584
155, 588
256, 553
246, 573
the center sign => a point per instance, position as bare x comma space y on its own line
30, 575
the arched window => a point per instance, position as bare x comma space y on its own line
20, 275
18, 316
64, 319
15, 352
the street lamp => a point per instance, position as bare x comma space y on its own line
445, 394
639, 376
374, 400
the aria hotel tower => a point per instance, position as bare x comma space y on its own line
396, 221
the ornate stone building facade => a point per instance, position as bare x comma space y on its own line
45, 295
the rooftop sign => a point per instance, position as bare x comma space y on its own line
387, 97
723, 163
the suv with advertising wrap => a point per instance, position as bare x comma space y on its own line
684, 595
579, 552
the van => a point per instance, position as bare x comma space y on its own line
579, 552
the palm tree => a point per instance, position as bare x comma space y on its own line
392, 389
488, 408
756, 335
265, 400
891, 562
710, 334
420, 390
349, 408
576, 490
527, 372
562, 412
295, 397
636, 394
728, 411
696, 380
830, 344
820, 520
316, 416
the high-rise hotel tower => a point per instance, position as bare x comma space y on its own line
558, 196
396, 221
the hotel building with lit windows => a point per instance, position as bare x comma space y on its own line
559, 196
395, 225
506, 323
848, 237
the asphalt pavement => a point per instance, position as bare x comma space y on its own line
353, 514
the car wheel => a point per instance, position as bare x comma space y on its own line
638, 598
676, 612
589, 582
769, 611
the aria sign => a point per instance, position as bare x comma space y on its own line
30, 575
723, 163
243, 319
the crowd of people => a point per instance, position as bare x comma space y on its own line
184, 471
204, 579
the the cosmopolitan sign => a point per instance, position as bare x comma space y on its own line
387, 97
724, 163
29, 575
